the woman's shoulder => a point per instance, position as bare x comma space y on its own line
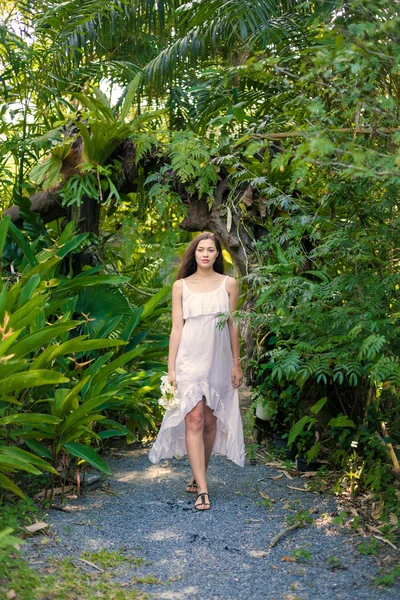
231, 283
177, 285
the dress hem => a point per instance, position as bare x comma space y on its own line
168, 446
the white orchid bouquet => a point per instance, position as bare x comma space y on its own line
168, 398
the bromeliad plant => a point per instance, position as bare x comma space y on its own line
62, 384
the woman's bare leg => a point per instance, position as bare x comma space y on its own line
194, 421
209, 432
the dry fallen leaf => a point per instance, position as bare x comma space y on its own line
11, 595
309, 473
287, 474
36, 527
288, 559
57, 490
87, 562
265, 496
371, 528
393, 520
287, 505
382, 539
376, 509
305, 489
354, 512
276, 476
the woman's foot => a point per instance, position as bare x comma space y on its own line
192, 486
202, 501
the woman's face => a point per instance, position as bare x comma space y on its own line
206, 253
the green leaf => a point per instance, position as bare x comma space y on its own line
317, 407
28, 289
155, 302
4, 223
20, 381
85, 411
298, 428
8, 463
28, 457
130, 95
96, 280
87, 454
63, 397
21, 242
341, 421
7, 484
29, 419
39, 448
40, 338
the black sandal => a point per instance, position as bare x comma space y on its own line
194, 484
203, 495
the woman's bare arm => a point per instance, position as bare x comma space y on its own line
176, 330
233, 292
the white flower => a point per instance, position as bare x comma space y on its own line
168, 398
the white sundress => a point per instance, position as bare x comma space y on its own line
203, 367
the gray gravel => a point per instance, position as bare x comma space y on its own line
219, 554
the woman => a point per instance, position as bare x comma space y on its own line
204, 367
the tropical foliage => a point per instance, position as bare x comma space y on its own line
67, 359
274, 124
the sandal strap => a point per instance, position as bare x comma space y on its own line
203, 494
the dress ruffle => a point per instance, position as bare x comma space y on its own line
171, 436
201, 304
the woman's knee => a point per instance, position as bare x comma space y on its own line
210, 423
195, 418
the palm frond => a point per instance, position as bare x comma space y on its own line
209, 29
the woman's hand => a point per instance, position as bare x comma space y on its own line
171, 377
237, 376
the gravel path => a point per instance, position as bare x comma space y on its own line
219, 554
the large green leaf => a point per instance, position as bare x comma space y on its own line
20, 381
78, 344
65, 397
320, 404
118, 362
298, 428
28, 289
9, 463
13, 451
131, 91
155, 302
39, 448
86, 410
41, 338
7, 484
72, 244
23, 244
29, 419
4, 223
94, 280
87, 454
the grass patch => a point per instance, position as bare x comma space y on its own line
105, 558
63, 580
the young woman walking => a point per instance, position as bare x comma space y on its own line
204, 367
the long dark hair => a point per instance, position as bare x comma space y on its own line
188, 264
